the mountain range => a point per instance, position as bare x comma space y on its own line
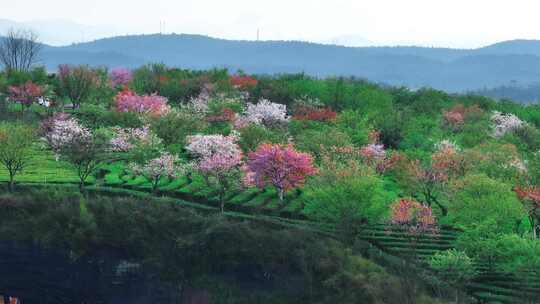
515, 62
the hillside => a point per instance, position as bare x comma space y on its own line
452, 70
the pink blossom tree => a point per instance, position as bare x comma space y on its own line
219, 159
166, 165
61, 130
77, 145
413, 216
279, 166
127, 139
153, 105
415, 219
120, 77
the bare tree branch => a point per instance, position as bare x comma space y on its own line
19, 50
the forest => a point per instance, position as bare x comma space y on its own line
318, 190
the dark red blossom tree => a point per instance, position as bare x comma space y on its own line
25, 94
243, 82
315, 114
280, 166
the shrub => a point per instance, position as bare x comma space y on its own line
348, 201
311, 139
253, 136
174, 127
504, 123
455, 267
97, 116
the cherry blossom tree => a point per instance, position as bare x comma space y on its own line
166, 165
205, 146
374, 154
25, 94
267, 113
126, 139
77, 145
60, 130
120, 77
414, 220
279, 166
413, 217
153, 105
219, 159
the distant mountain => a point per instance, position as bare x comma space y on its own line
454, 70
523, 47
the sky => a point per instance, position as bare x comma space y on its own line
448, 23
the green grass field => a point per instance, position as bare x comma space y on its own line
43, 168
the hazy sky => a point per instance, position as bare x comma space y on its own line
455, 23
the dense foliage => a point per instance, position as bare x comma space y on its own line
341, 152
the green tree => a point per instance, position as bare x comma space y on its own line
15, 143
477, 198
350, 202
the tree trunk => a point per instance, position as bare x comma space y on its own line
11, 185
222, 201
155, 186
81, 186
281, 193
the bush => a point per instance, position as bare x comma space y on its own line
352, 200
254, 135
311, 139
455, 267
174, 127
96, 116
